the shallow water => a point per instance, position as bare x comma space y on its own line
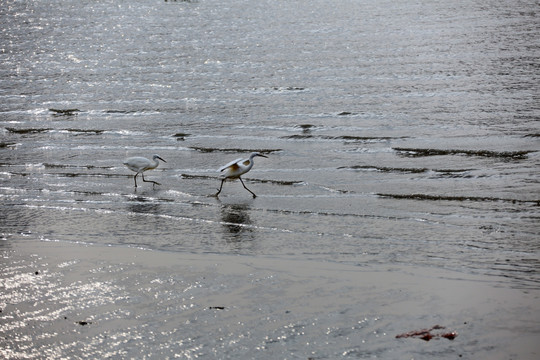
396, 132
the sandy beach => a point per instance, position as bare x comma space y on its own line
62, 300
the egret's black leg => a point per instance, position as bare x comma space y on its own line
135, 178
153, 182
252, 193
222, 181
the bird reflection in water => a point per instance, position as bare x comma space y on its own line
141, 205
236, 220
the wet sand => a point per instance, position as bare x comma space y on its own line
61, 300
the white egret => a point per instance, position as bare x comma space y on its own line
236, 168
140, 164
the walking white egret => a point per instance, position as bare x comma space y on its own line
140, 164
237, 168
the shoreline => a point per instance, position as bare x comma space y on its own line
61, 293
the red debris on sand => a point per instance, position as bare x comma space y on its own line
450, 336
427, 334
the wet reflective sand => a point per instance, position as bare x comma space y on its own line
80, 301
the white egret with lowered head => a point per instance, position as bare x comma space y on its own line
236, 168
140, 164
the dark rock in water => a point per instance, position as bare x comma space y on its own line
217, 307
306, 128
83, 323
343, 113
66, 112
181, 136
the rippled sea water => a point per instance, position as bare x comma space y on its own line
397, 132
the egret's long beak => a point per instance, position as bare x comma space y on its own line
262, 155
161, 159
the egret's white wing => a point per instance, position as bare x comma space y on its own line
137, 163
234, 162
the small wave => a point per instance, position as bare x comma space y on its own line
420, 152
348, 138
189, 176
299, 137
278, 182
28, 130
278, 89
367, 138
456, 198
65, 166
177, 193
332, 190
84, 131
8, 144
267, 181
64, 112
288, 88
351, 215
390, 169
384, 169
124, 132
120, 111
131, 112
43, 130
232, 150
77, 174
366, 150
